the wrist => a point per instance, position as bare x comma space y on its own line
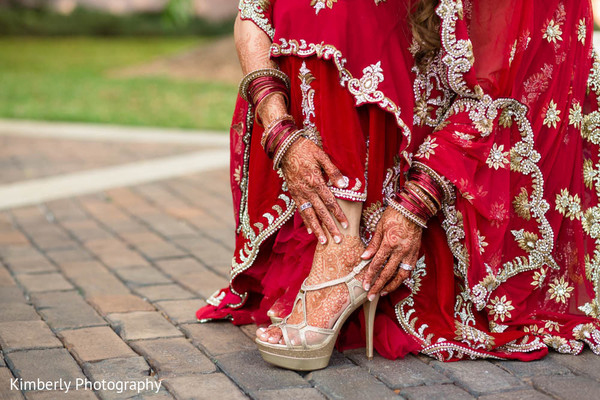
422, 195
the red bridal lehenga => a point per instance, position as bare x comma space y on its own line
507, 111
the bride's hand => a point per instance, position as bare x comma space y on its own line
302, 166
396, 240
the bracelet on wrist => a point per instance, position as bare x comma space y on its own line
284, 147
258, 74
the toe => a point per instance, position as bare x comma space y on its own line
274, 335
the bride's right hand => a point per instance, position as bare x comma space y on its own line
302, 166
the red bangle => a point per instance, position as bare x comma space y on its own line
280, 130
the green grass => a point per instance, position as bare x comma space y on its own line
65, 79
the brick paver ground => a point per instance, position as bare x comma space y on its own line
104, 287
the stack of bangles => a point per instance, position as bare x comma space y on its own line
422, 195
280, 134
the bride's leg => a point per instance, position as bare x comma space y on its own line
331, 261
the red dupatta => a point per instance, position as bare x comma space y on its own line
519, 141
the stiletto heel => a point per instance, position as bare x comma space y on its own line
369, 309
305, 356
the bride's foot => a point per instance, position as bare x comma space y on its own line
324, 306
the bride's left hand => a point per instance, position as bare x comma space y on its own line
396, 240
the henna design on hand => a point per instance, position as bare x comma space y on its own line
396, 240
302, 166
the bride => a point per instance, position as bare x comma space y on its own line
435, 162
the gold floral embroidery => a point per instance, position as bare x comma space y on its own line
552, 115
560, 290
505, 120
318, 5
558, 343
422, 111
589, 334
569, 206
539, 277
576, 115
427, 148
591, 222
533, 329
526, 240
552, 32
481, 242
473, 336
521, 205
463, 136
552, 326
589, 173
497, 157
500, 308
582, 31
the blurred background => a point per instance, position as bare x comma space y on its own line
165, 63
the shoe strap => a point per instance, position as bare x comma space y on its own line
334, 282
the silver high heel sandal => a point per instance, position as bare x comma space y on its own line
309, 357
274, 318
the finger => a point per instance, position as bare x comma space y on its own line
386, 274
326, 218
375, 266
402, 273
332, 171
299, 201
332, 205
374, 244
313, 224
395, 283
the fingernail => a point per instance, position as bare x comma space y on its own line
365, 255
367, 287
345, 225
384, 293
322, 240
309, 231
371, 297
337, 239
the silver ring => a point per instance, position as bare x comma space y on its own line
406, 267
305, 206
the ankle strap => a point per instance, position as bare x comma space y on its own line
344, 279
